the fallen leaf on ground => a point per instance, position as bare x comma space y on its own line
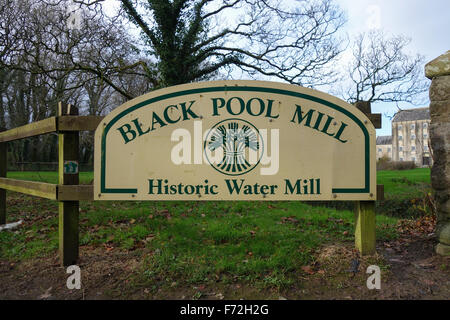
46, 295
219, 296
307, 269
428, 282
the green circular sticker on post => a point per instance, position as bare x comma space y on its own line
70, 167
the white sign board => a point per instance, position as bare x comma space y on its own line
235, 140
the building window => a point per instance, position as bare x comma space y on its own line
389, 149
400, 148
399, 127
413, 148
401, 159
413, 159
413, 126
425, 136
379, 149
425, 148
425, 124
400, 137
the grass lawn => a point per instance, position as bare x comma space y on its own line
47, 176
405, 183
264, 243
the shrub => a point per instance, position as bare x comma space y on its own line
383, 162
404, 165
395, 165
407, 208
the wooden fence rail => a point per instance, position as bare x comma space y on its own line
48, 190
54, 124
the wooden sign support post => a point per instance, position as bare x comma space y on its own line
365, 227
365, 210
68, 144
3, 169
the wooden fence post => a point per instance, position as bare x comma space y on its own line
68, 144
365, 239
3, 169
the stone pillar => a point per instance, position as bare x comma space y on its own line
438, 71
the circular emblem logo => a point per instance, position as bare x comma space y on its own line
234, 147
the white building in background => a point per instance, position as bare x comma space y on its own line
411, 136
384, 147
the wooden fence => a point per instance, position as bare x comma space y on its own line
68, 192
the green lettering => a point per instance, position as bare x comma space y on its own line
166, 115
157, 119
235, 186
300, 117
126, 133
241, 104
327, 125
188, 111
318, 120
152, 186
249, 107
216, 106
339, 133
139, 128
292, 188
269, 110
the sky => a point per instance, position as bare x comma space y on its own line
427, 23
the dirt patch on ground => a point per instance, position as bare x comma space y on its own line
104, 273
416, 272
409, 270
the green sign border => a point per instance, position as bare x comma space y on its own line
366, 189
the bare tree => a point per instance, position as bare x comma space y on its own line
381, 70
12, 21
96, 45
191, 40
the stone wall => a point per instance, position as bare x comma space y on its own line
438, 71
